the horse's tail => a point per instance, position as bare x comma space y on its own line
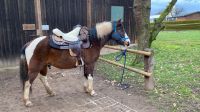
23, 67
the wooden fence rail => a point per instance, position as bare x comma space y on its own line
129, 50
148, 65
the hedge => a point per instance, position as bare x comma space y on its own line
182, 25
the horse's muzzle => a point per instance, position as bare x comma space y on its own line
126, 43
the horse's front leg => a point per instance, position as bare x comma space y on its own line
88, 84
43, 78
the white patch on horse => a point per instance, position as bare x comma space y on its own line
127, 38
90, 82
31, 48
103, 29
89, 86
26, 93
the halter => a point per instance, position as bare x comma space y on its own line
117, 36
115, 26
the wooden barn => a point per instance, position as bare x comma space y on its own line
16, 15
190, 16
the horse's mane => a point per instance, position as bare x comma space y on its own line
103, 29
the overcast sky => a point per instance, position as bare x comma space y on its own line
187, 5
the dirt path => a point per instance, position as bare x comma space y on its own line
70, 95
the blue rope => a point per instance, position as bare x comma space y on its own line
118, 58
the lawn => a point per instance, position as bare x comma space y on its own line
177, 72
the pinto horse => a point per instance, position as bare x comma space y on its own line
38, 54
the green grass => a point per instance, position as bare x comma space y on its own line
177, 71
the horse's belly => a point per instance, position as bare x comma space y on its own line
65, 64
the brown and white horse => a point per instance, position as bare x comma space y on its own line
37, 54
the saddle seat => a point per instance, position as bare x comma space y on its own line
71, 36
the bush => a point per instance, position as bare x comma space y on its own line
181, 25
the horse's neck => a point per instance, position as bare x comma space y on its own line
97, 41
104, 41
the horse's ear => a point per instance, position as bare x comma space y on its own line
119, 22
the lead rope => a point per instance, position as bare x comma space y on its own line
118, 58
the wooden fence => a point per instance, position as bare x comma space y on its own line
148, 65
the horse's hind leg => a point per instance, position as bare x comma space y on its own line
26, 93
28, 83
44, 81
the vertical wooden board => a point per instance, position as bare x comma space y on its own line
38, 17
149, 67
27, 16
89, 13
72, 12
2, 28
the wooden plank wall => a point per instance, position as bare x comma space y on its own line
101, 11
13, 13
63, 14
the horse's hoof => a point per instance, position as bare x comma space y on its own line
28, 104
52, 94
85, 89
93, 93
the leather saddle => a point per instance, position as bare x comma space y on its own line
74, 41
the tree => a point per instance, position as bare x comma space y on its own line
144, 34
142, 14
158, 25
176, 11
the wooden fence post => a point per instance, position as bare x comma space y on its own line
148, 67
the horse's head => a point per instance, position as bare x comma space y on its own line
119, 34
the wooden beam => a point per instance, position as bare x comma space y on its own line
129, 50
38, 17
28, 26
89, 13
148, 67
147, 74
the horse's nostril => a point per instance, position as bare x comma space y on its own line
128, 44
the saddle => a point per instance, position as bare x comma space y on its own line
73, 41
